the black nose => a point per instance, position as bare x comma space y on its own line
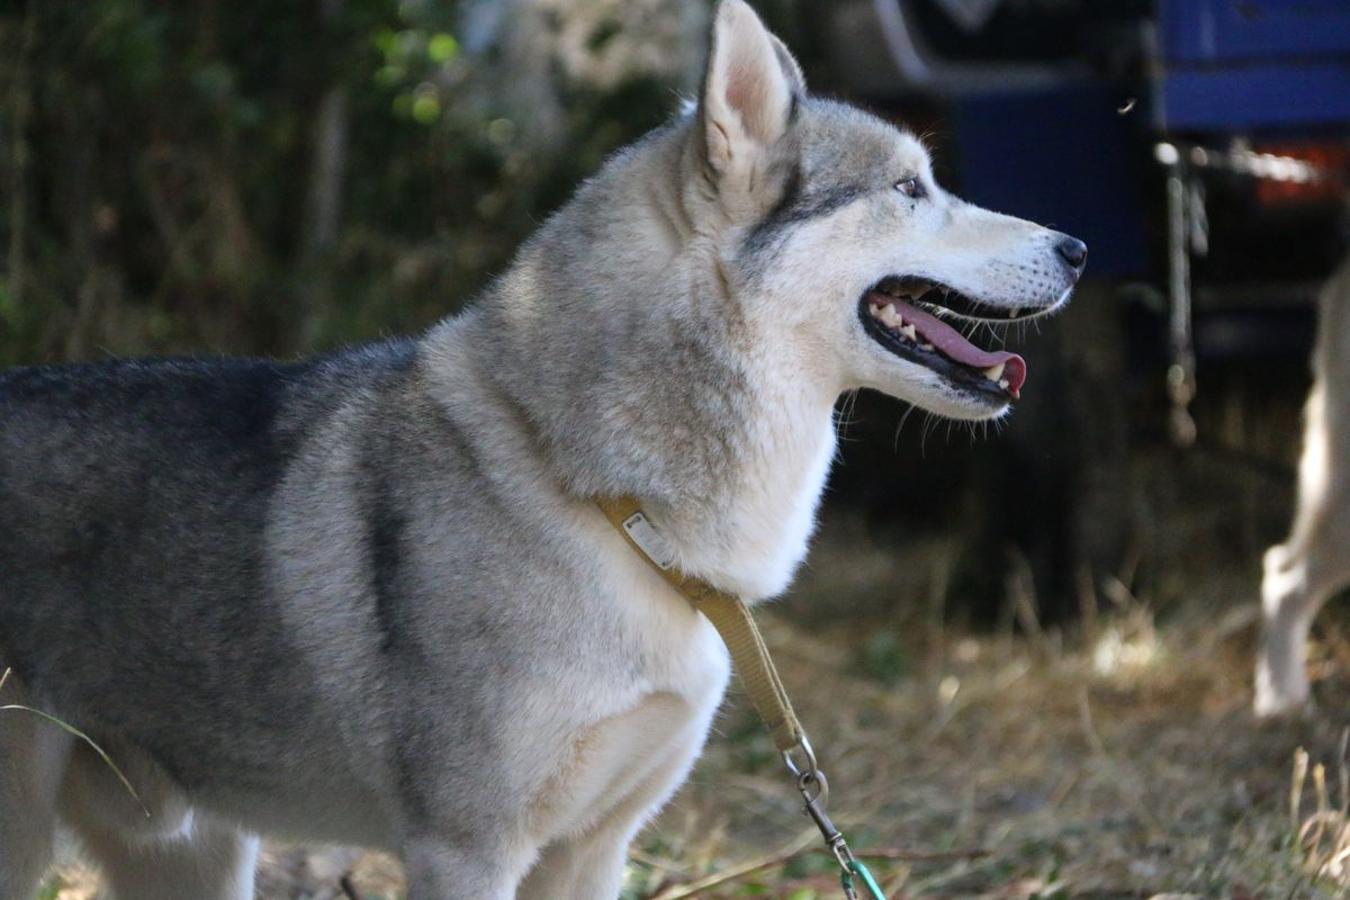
1072, 251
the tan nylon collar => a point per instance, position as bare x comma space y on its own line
728, 614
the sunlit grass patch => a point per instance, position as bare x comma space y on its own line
1322, 835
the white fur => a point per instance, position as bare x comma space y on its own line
1312, 565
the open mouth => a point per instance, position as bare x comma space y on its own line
900, 314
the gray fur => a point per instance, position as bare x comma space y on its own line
367, 598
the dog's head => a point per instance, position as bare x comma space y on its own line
830, 224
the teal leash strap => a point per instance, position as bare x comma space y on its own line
857, 868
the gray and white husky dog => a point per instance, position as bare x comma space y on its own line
368, 598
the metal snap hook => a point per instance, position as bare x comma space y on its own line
808, 764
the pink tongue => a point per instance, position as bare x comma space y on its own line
949, 341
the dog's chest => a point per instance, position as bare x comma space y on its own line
631, 738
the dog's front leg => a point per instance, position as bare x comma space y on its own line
585, 868
438, 868
589, 864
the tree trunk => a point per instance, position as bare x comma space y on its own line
323, 203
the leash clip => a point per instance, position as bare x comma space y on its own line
807, 771
815, 791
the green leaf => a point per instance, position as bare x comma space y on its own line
426, 108
442, 48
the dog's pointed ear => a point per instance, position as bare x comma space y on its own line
750, 89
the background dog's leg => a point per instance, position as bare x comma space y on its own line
33, 755
1302, 573
1294, 588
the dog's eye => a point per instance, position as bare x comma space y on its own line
910, 187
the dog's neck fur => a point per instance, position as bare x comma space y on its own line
650, 386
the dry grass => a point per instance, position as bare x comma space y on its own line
1145, 779
1116, 761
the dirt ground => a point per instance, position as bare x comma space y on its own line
1115, 760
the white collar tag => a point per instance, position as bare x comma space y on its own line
649, 540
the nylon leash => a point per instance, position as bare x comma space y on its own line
758, 675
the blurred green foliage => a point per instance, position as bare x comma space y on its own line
162, 190
884, 657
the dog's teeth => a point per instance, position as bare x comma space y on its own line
1012, 313
925, 346
909, 332
1003, 383
994, 373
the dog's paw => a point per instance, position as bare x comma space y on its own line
1275, 706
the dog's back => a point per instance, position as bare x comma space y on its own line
134, 501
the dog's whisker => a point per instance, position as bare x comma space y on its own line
895, 442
